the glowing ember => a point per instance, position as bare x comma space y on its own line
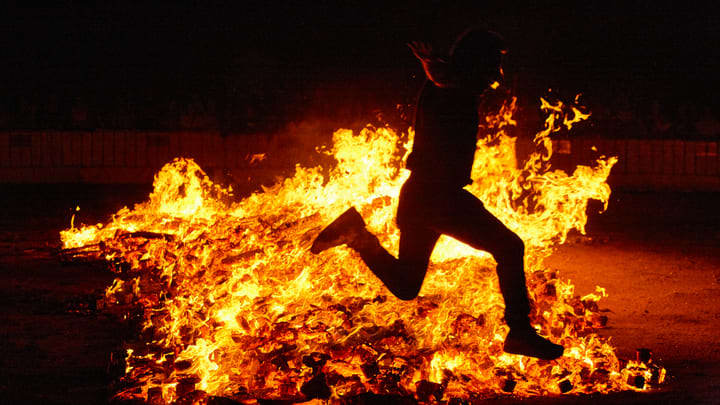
233, 304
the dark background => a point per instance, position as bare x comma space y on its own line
248, 66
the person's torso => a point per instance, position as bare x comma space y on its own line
446, 125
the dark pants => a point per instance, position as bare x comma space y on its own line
428, 210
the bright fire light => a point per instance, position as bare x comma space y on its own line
233, 304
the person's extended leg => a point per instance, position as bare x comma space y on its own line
465, 218
402, 276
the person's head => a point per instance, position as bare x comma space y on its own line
477, 57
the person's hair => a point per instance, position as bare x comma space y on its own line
477, 53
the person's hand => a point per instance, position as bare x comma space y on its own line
437, 69
421, 50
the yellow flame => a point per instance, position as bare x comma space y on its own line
231, 291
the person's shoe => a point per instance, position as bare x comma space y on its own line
527, 342
343, 230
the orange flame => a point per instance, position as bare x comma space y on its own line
234, 305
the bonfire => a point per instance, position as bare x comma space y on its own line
230, 302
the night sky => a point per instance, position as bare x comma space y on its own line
167, 48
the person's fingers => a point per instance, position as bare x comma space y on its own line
421, 50
414, 49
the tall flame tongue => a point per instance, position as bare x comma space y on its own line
233, 304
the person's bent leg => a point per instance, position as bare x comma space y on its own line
403, 276
416, 246
342, 231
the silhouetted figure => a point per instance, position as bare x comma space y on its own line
433, 202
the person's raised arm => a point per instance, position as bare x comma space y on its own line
437, 69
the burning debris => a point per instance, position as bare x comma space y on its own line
230, 302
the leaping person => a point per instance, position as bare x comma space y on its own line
433, 201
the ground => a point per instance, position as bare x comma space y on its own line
658, 255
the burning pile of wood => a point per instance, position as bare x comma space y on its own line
229, 302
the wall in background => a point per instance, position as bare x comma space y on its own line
115, 157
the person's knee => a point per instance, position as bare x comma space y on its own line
408, 278
407, 296
517, 245
408, 293
513, 248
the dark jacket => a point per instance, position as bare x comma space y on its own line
446, 125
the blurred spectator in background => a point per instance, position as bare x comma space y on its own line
707, 126
80, 117
49, 116
125, 117
25, 118
199, 114
5, 114
659, 126
685, 122
624, 121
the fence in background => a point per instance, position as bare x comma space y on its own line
648, 164
118, 156
135, 156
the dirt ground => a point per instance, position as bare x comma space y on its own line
657, 254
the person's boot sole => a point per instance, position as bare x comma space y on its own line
541, 348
